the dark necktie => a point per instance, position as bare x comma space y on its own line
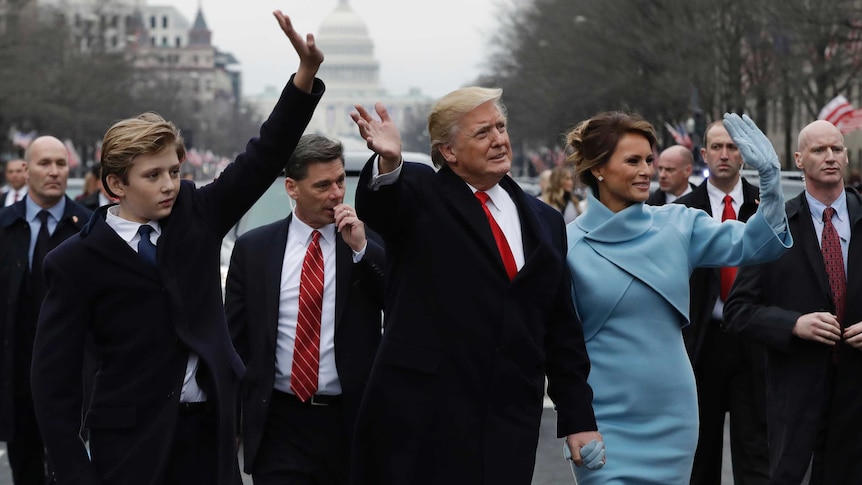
830, 246
306, 351
37, 279
728, 274
500, 238
146, 248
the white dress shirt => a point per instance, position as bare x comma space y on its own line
128, 231
13, 195
298, 238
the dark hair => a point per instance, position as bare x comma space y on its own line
593, 141
312, 149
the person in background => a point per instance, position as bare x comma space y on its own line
805, 308
544, 180
163, 405
298, 408
16, 182
98, 195
560, 193
729, 371
633, 306
674, 169
31, 227
478, 309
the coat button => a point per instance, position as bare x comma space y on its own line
170, 394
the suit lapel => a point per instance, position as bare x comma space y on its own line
343, 276
273, 263
468, 211
801, 213
102, 239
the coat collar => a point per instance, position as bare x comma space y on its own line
603, 225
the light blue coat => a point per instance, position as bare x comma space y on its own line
631, 289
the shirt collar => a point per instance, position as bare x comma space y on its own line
126, 229
33, 210
495, 193
303, 231
716, 194
816, 207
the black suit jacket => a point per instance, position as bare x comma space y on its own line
764, 304
455, 395
19, 327
144, 320
659, 197
252, 305
705, 283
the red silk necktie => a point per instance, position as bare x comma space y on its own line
500, 238
830, 246
306, 351
15, 197
728, 274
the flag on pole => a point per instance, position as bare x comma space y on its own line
22, 140
679, 134
74, 157
841, 113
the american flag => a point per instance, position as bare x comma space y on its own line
22, 140
841, 113
679, 134
74, 157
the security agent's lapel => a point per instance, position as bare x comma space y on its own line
343, 274
799, 215
273, 263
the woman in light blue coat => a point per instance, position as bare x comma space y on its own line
631, 265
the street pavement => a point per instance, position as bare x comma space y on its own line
551, 469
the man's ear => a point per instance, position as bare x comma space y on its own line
290, 188
115, 185
448, 153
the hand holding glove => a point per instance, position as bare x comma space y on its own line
758, 152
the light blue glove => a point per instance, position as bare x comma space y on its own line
592, 454
758, 152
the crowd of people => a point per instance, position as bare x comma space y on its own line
412, 339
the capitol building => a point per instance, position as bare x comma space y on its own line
352, 76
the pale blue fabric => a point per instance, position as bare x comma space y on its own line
631, 271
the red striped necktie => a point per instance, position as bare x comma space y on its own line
306, 351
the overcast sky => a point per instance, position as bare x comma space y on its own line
436, 46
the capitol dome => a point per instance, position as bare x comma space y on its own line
350, 66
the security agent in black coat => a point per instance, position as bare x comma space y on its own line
729, 371
18, 316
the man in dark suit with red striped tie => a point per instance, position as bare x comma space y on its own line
304, 298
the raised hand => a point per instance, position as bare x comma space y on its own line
310, 57
758, 152
380, 135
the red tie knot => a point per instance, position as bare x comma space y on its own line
483, 197
827, 214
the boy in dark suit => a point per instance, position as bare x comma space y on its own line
297, 419
162, 409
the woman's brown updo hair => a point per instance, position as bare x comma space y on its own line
593, 141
